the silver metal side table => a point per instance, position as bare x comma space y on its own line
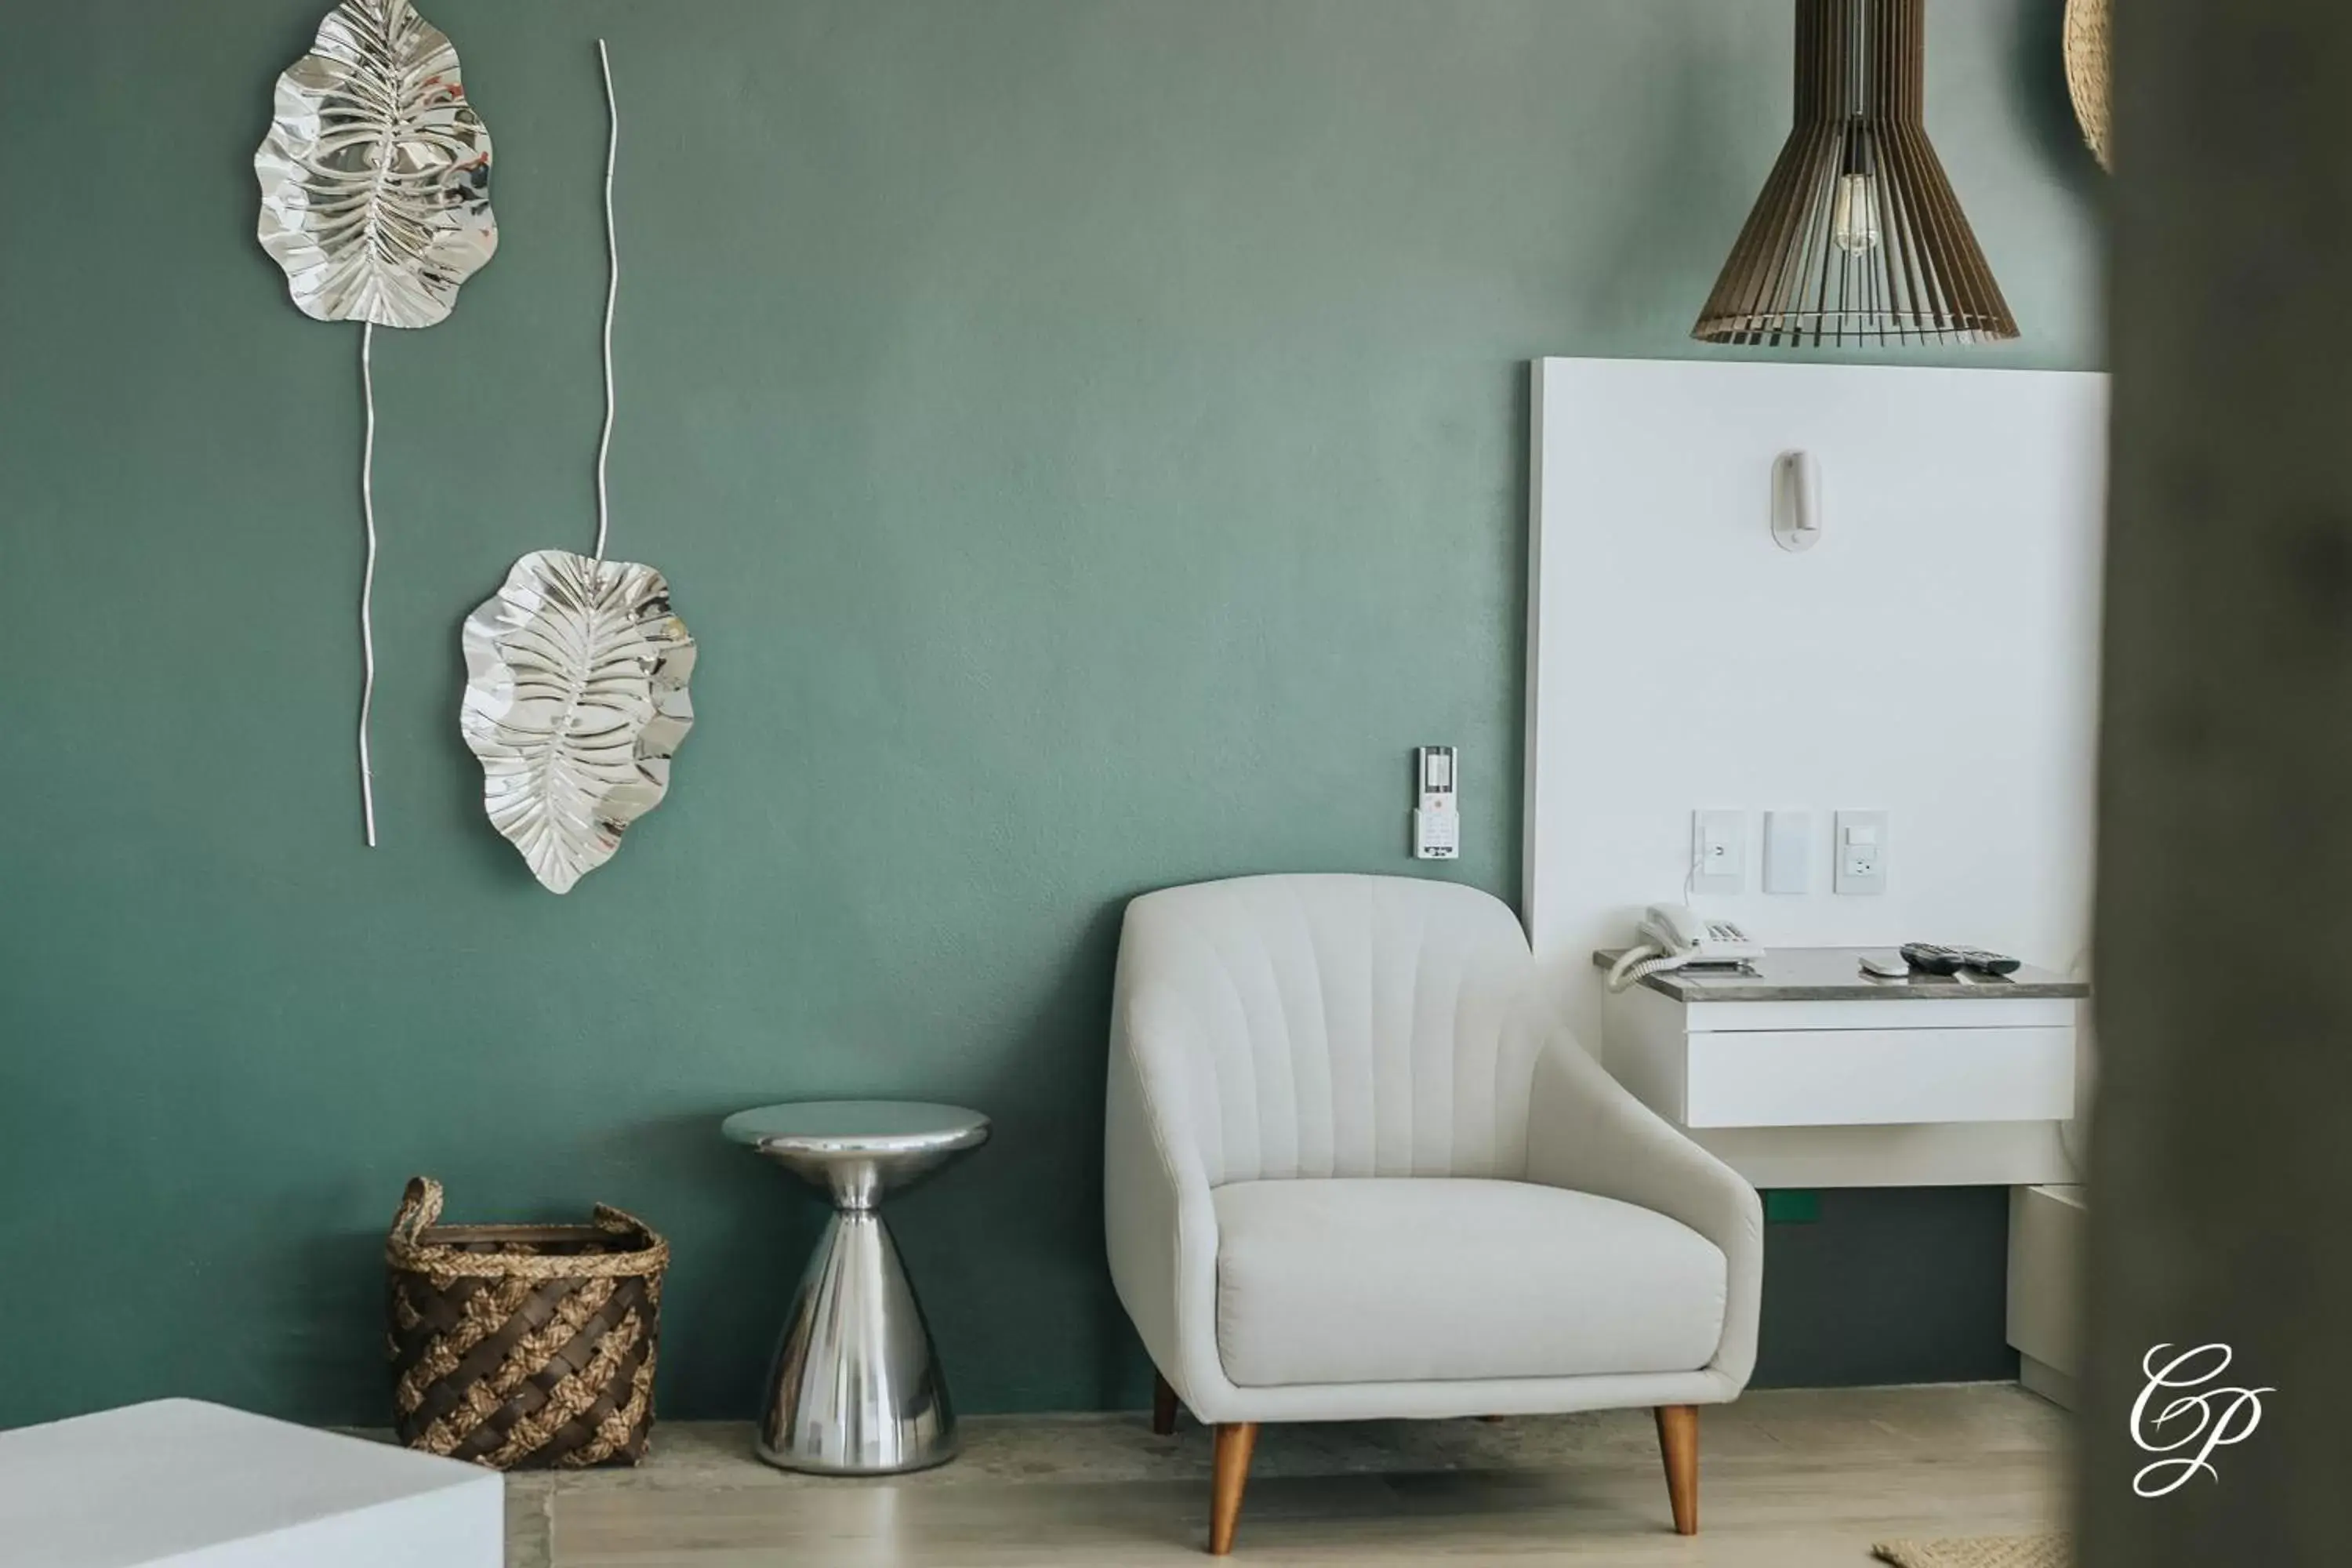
855, 1389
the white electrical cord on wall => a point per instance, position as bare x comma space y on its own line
612, 295
367, 577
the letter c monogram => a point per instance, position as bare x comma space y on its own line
2223, 1417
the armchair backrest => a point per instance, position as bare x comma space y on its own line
1332, 1026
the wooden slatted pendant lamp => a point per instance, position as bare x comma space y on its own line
1857, 237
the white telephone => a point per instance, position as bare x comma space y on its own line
1672, 936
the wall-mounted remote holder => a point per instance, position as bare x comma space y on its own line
1436, 823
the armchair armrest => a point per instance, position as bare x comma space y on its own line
1159, 1225
1587, 1132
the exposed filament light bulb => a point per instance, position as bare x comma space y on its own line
1853, 215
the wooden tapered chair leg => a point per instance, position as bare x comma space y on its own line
1236, 1440
1678, 1446
1163, 1407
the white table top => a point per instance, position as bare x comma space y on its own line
158, 1482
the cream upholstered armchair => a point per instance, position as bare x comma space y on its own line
1356, 1169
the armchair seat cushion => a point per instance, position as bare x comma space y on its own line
1395, 1279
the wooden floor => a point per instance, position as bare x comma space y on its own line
1788, 1479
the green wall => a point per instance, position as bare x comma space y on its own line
1086, 437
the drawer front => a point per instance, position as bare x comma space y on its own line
1839, 1078
1911, 1013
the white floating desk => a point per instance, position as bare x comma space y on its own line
180, 1482
1805, 1072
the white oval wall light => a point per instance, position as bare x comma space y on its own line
1796, 500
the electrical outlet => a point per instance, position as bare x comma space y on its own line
1862, 850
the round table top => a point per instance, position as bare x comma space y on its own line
853, 1127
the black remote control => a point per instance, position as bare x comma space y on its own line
1934, 958
1930, 958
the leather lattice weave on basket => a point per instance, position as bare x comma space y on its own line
522, 1347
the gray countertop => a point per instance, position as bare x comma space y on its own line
1835, 975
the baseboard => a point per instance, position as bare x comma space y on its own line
2039, 1377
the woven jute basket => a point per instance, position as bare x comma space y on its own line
2087, 28
519, 1346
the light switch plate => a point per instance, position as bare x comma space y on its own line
1718, 851
1860, 851
1787, 851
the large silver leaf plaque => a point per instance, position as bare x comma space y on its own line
575, 699
375, 175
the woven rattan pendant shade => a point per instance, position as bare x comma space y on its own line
1857, 237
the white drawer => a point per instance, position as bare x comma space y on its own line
1835, 1078
1986, 1013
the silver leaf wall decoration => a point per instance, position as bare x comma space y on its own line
375, 199
576, 670
576, 699
375, 175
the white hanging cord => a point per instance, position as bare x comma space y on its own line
612, 296
367, 577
